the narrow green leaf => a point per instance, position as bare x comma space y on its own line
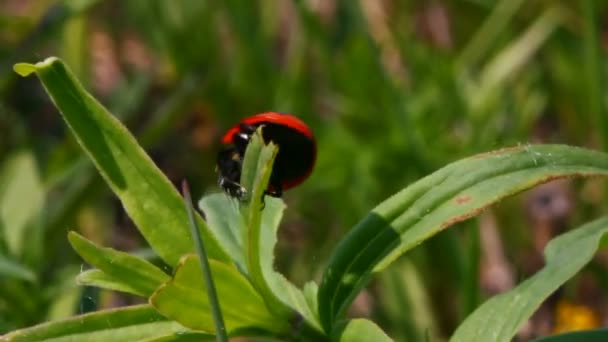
134, 273
449, 195
225, 220
359, 330
597, 335
12, 269
183, 299
488, 33
500, 318
510, 60
404, 297
592, 63
124, 324
232, 222
216, 311
262, 234
147, 195
250, 172
21, 198
99, 278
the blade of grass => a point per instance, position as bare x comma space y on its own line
510, 60
218, 320
593, 71
495, 23
12, 269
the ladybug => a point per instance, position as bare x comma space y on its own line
293, 163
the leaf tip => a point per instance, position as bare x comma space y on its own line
76, 240
24, 69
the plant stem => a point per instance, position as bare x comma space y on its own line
218, 320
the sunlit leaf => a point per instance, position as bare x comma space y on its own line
136, 274
184, 299
500, 318
222, 216
147, 195
251, 233
124, 324
449, 195
99, 278
359, 330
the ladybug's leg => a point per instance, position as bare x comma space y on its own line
263, 201
234, 189
229, 172
275, 185
276, 191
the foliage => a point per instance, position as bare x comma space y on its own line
255, 299
393, 90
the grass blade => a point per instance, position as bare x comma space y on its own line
214, 302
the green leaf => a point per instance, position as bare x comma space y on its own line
146, 194
449, 195
12, 269
513, 57
359, 330
136, 274
24, 69
262, 225
243, 226
596, 335
183, 337
124, 324
99, 278
21, 198
226, 224
500, 318
404, 297
184, 299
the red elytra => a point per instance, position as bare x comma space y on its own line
287, 120
293, 164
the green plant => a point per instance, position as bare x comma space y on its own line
239, 238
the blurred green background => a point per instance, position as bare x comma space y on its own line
393, 90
